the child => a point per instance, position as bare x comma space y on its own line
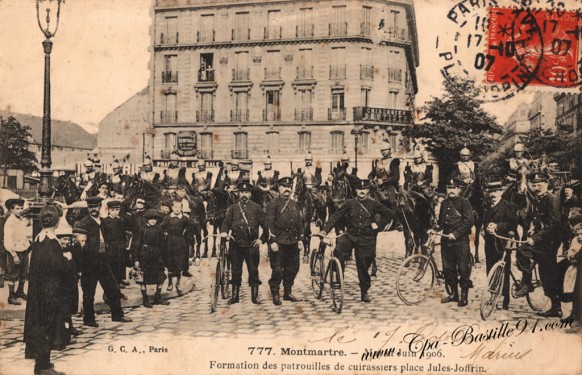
148, 256
113, 229
177, 226
17, 231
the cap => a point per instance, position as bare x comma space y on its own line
152, 213
114, 204
453, 182
519, 147
494, 185
94, 201
244, 186
363, 184
181, 187
49, 216
568, 185
103, 183
286, 181
79, 231
538, 177
10, 203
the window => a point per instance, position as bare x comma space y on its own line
205, 150
273, 66
393, 99
337, 142
305, 27
273, 142
206, 112
241, 106
240, 146
363, 142
338, 25
394, 20
11, 182
206, 70
241, 70
170, 72
170, 140
304, 141
304, 66
170, 113
365, 28
305, 98
365, 97
207, 32
170, 33
272, 110
337, 110
241, 29
337, 68
366, 69
273, 29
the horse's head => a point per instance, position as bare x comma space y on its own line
521, 181
65, 187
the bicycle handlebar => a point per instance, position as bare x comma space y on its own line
327, 236
213, 235
494, 234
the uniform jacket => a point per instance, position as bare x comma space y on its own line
268, 179
245, 233
546, 220
284, 220
456, 217
387, 172
359, 216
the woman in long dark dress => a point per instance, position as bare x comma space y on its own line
45, 318
149, 257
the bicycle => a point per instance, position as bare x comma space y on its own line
333, 273
221, 280
418, 273
535, 298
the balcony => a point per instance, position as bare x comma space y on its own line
205, 36
394, 75
272, 32
397, 34
365, 29
305, 72
169, 77
240, 74
205, 154
337, 71
241, 33
338, 29
303, 114
205, 115
367, 72
239, 115
206, 75
272, 114
388, 115
239, 154
169, 38
272, 73
304, 31
167, 117
336, 113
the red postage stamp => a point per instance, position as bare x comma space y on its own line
533, 47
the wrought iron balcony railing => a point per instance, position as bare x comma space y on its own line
206, 75
338, 29
273, 32
387, 115
303, 114
168, 116
305, 72
169, 77
204, 36
169, 38
336, 113
239, 115
240, 74
272, 73
239, 154
241, 33
366, 72
204, 115
304, 31
337, 71
272, 114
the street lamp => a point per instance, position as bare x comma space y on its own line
357, 132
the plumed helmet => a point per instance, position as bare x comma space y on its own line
174, 156
386, 146
309, 156
465, 152
345, 157
418, 154
88, 162
147, 160
519, 147
116, 164
201, 163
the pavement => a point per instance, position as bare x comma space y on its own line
184, 325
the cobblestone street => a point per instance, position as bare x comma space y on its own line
188, 318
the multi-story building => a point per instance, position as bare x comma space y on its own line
246, 79
569, 110
542, 112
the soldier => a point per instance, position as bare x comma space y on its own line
233, 176
285, 226
418, 177
87, 179
242, 220
499, 217
543, 245
311, 175
517, 162
174, 175
364, 217
267, 178
147, 174
202, 179
17, 236
466, 170
386, 174
455, 221
117, 180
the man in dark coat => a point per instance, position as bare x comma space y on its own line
456, 220
95, 268
243, 220
568, 202
544, 242
364, 217
113, 227
500, 217
285, 224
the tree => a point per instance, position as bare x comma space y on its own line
14, 153
456, 120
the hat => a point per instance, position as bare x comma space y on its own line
94, 201
140, 200
363, 184
568, 185
152, 213
286, 181
345, 157
49, 216
494, 185
519, 147
64, 229
113, 204
201, 163
174, 156
103, 183
10, 203
577, 227
244, 186
386, 146
309, 156
465, 152
453, 182
79, 231
115, 164
88, 162
234, 162
538, 177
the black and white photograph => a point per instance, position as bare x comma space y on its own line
307, 187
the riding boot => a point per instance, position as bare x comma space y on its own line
255, 295
146, 302
170, 283
287, 296
454, 297
12, 300
374, 269
464, 297
20, 291
555, 311
235, 295
158, 300
205, 254
276, 298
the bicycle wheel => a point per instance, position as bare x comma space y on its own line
415, 279
225, 278
316, 267
537, 300
336, 284
215, 287
490, 296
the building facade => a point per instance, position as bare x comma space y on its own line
569, 110
247, 79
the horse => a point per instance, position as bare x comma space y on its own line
66, 188
339, 191
137, 187
521, 196
312, 207
217, 202
475, 195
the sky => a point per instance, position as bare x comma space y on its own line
101, 53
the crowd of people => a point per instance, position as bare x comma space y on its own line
150, 224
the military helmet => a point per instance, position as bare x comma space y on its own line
519, 147
345, 157
201, 163
309, 156
465, 152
